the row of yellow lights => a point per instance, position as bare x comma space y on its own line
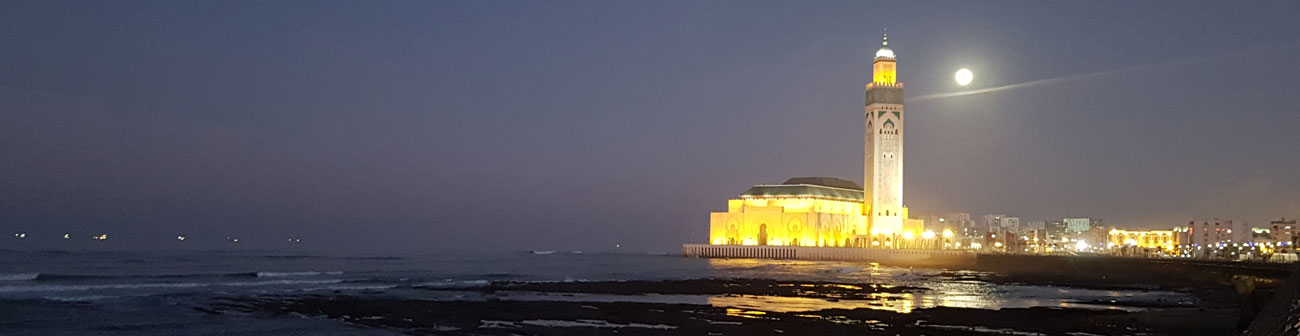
910, 235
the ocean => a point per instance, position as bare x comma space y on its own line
169, 292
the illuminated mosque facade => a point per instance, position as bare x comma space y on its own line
831, 212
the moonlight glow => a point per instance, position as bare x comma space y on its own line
964, 76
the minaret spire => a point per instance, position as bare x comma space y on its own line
883, 164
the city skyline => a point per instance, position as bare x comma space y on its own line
620, 124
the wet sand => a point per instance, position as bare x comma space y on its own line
496, 316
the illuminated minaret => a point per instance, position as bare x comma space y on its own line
883, 164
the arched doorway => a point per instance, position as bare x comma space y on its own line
762, 234
733, 233
793, 228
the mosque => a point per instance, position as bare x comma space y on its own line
832, 212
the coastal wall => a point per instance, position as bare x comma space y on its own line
1281, 316
891, 256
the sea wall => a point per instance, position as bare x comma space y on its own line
938, 258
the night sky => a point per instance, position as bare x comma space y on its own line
363, 125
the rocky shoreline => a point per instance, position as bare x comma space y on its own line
805, 289
494, 313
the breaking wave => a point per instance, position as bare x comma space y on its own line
75, 277
19, 276
453, 284
82, 298
348, 287
36, 276
160, 285
294, 274
309, 256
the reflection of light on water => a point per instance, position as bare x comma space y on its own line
855, 285
957, 289
895, 302
901, 303
967, 294
745, 313
830, 271
754, 306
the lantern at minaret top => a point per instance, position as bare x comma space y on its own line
885, 66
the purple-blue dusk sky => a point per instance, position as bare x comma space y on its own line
360, 125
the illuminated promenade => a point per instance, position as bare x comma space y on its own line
916, 257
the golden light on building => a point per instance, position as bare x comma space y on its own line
830, 212
885, 67
804, 211
1153, 239
884, 137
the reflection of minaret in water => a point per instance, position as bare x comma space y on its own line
883, 162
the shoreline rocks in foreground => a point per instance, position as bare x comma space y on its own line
539, 317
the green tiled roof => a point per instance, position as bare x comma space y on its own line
824, 181
795, 187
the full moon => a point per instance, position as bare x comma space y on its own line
964, 76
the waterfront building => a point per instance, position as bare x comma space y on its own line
992, 221
1260, 235
1162, 240
1035, 240
831, 212
1079, 225
1011, 224
958, 220
1283, 232
933, 222
1241, 232
995, 239
1210, 232
1094, 238
1056, 228
1002, 223
962, 225
802, 211
1184, 236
